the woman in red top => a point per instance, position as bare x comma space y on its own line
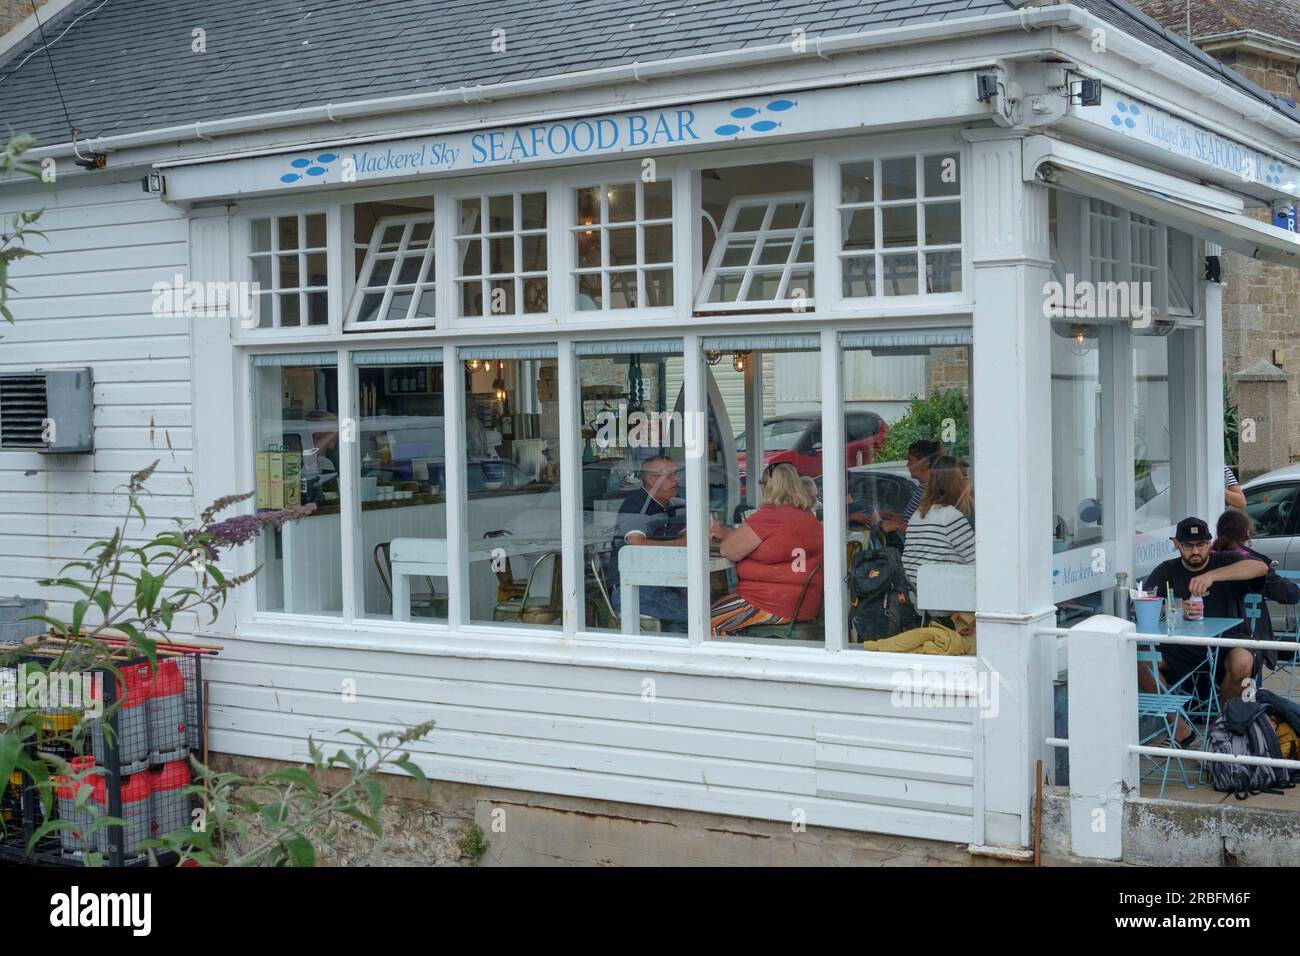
776, 550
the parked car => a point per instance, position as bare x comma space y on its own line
1271, 504
797, 438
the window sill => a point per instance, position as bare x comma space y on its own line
848, 668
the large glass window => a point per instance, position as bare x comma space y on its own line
289, 266
634, 439
765, 560
758, 235
402, 480
501, 254
511, 459
623, 245
296, 461
1156, 485
909, 488
900, 226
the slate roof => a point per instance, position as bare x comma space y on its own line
126, 65
1279, 18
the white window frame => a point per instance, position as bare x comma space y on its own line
273, 255
638, 224
425, 284
517, 234
878, 253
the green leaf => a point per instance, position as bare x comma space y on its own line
375, 791
411, 767
78, 615
295, 775
165, 614
370, 823
300, 850
10, 749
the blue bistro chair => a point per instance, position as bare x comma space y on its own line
1287, 661
1166, 707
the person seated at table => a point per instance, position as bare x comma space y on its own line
647, 517
1233, 496
1232, 535
1223, 579
776, 550
921, 456
940, 532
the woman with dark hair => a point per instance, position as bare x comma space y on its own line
1232, 534
940, 531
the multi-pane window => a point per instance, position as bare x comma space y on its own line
623, 245
900, 226
501, 254
764, 251
289, 267
396, 282
1105, 253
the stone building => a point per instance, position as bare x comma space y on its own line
1260, 39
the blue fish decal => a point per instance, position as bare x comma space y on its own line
764, 126
316, 171
290, 178
1132, 108
300, 163
744, 112
326, 158
780, 106
728, 129
1116, 120
1129, 123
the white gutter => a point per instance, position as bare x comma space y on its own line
1035, 19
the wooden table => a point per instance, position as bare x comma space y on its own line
652, 566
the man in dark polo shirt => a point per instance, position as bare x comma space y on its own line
1223, 579
647, 517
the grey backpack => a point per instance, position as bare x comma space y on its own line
1256, 739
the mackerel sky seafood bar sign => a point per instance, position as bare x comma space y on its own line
633, 133
1153, 127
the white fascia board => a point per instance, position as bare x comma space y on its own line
1044, 149
752, 121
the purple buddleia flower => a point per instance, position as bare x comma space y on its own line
241, 529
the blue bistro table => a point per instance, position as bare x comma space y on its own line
1202, 708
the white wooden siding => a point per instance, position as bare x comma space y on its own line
844, 756
87, 302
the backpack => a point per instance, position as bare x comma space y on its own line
1287, 740
1257, 740
878, 595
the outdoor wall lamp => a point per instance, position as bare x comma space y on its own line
738, 363
472, 365
712, 356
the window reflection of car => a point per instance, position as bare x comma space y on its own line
882, 486
797, 438
1271, 504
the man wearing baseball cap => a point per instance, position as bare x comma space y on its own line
1223, 579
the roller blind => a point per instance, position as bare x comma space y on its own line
745, 343
399, 357
945, 338
508, 352
299, 359
639, 347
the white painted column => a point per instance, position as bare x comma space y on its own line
834, 569
1012, 403
1116, 368
453, 403
571, 517
1103, 726
697, 491
1211, 345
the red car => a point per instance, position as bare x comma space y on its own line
797, 438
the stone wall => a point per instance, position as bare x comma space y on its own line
14, 12
1261, 302
947, 369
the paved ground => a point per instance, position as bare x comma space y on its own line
1204, 793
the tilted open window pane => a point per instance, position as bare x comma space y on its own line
396, 278
287, 263
758, 236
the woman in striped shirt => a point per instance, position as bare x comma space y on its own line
941, 532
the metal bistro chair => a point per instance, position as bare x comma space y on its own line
1287, 661
1167, 707
432, 603
510, 593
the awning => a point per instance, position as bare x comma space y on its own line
1211, 213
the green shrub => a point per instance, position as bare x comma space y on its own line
943, 416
